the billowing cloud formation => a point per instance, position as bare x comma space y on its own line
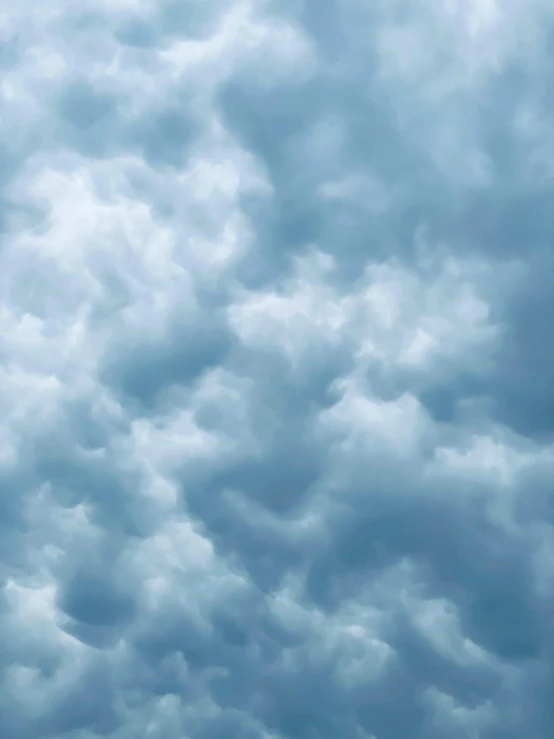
276, 386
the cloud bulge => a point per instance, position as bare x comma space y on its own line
277, 423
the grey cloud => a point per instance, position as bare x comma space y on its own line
141, 371
275, 371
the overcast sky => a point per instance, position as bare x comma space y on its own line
276, 369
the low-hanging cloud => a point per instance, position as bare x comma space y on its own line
275, 370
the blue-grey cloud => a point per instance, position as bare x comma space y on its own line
275, 370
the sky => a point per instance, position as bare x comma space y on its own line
276, 361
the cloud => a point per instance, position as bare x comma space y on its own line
276, 437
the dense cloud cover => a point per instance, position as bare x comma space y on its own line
276, 369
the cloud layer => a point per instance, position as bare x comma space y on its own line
277, 411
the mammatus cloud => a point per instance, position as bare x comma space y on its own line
277, 412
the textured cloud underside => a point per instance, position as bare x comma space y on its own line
276, 360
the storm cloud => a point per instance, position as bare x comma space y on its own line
277, 410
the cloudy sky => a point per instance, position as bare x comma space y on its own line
276, 369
